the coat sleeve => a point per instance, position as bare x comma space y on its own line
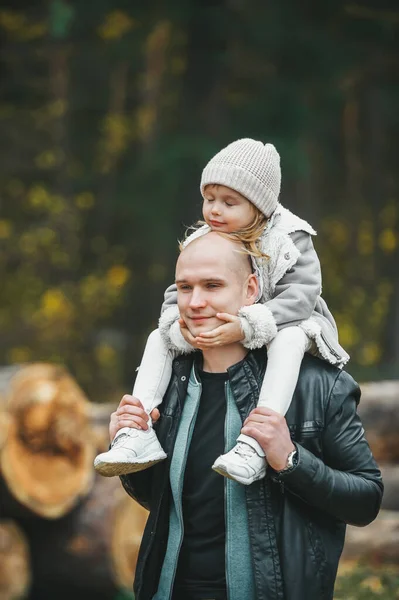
294, 300
170, 297
347, 483
297, 291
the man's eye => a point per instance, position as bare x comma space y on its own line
213, 285
184, 288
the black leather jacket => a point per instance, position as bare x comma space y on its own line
296, 520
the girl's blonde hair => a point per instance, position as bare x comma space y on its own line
248, 236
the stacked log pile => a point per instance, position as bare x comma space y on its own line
64, 532
378, 543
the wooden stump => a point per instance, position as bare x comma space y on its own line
14, 562
91, 553
47, 456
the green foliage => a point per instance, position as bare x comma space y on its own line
108, 113
124, 595
365, 583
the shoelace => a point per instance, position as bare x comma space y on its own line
119, 439
244, 451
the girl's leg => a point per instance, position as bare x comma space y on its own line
133, 449
154, 373
284, 359
246, 461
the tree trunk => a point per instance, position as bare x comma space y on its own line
14, 562
46, 459
91, 553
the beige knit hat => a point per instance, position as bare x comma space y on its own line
250, 168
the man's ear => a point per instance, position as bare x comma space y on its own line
252, 290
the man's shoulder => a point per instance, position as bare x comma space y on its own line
326, 383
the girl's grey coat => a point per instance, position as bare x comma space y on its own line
290, 292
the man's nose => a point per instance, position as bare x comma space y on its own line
197, 299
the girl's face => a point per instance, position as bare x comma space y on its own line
226, 210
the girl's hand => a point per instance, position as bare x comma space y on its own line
186, 334
229, 333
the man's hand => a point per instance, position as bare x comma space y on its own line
228, 333
130, 413
270, 430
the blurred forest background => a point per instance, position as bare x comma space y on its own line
109, 110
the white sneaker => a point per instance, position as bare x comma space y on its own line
242, 463
131, 451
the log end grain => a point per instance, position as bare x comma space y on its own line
15, 575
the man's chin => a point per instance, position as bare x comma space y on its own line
203, 326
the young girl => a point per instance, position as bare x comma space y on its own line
240, 187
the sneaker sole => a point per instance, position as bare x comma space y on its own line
115, 469
224, 473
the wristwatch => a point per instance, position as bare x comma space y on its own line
292, 460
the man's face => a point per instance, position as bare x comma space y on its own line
207, 283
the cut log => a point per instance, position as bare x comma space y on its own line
15, 572
99, 415
379, 411
47, 456
4, 424
377, 543
91, 553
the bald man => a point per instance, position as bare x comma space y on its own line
280, 538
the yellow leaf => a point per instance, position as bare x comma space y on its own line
365, 239
38, 196
105, 354
85, 200
5, 229
116, 25
57, 108
118, 275
388, 240
19, 354
370, 354
146, 117
46, 160
55, 305
12, 20
372, 583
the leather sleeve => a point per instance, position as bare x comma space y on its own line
347, 483
297, 291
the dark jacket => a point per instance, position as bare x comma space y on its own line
296, 520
